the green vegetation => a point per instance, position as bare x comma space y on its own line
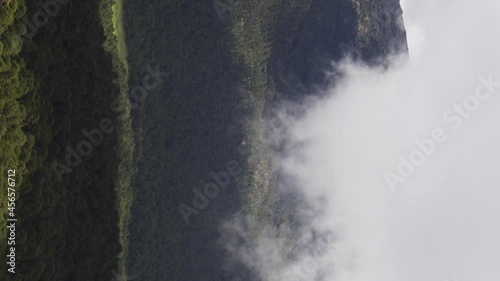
190, 127
70, 77
115, 45
114, 211
119, 30
19, 113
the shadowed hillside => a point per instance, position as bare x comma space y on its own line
221, 64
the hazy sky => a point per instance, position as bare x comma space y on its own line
406, 160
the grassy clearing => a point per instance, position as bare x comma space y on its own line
115, 45
119, 32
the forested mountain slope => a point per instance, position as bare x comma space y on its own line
219, 66
62, 141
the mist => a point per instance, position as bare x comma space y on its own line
398, 167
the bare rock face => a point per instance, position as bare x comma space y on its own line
379, 29
312, 35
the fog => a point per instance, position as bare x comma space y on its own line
400, 167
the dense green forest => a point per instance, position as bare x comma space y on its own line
19, 107
191, 126
66, 131
136, 133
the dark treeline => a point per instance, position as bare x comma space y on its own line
191, 126
19, 112
67, 214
